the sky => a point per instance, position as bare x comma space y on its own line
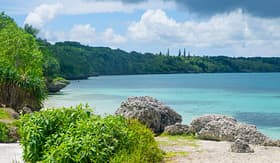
203, 27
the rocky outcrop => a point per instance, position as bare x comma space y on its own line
177, 129
150, 112
240, 146
26, 110
57, 84
274, 143
224, 128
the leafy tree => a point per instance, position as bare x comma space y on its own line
179, 54
31, 30
167, 54
21, 77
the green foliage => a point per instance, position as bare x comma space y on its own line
21, 77
4, 114
78, 61
8, 127
177, 140
4, 132
75, 135
31, 30
142, 146
51, 67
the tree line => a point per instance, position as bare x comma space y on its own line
74, 60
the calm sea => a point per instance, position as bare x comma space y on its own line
249, 97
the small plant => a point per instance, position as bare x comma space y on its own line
4, 114
4, 132
8, 127
76, 135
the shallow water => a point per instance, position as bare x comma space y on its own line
250, 97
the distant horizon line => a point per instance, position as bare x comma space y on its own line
164, 54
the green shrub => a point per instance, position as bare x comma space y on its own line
142, 148
75, 135
4, 114
21, 67
4, 133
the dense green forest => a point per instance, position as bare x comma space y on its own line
73, 61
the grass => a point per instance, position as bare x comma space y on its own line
171, 154
7, 126
175, 145
177, 140
4, 114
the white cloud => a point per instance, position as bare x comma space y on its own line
235, 30
109, 36
42, 14
83, 33
86, 34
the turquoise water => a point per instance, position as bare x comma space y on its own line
249, 97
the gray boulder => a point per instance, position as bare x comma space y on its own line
240, 146
249, 133
57, 84
177, 129
274, 143
26, 110
224, 128
150, 112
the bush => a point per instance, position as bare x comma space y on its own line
4, 133
75, 135
8, 126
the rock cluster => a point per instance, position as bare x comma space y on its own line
177, 129
149, 111
224, 128
240, 146
160, 117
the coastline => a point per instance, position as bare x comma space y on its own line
213, 151
196, 151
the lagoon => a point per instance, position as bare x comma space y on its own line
249, 97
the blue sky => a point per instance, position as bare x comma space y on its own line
212, 27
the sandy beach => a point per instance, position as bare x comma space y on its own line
10, 153
202, 151
182, 151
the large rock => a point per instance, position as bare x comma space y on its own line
149, 111
57, 84
274, 143
240, 146
177, 129
224, 128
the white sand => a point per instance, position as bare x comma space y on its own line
10, 153
219, 152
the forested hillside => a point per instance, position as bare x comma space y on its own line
76, 61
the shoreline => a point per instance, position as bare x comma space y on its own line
205, 151
193, 73
194, 151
